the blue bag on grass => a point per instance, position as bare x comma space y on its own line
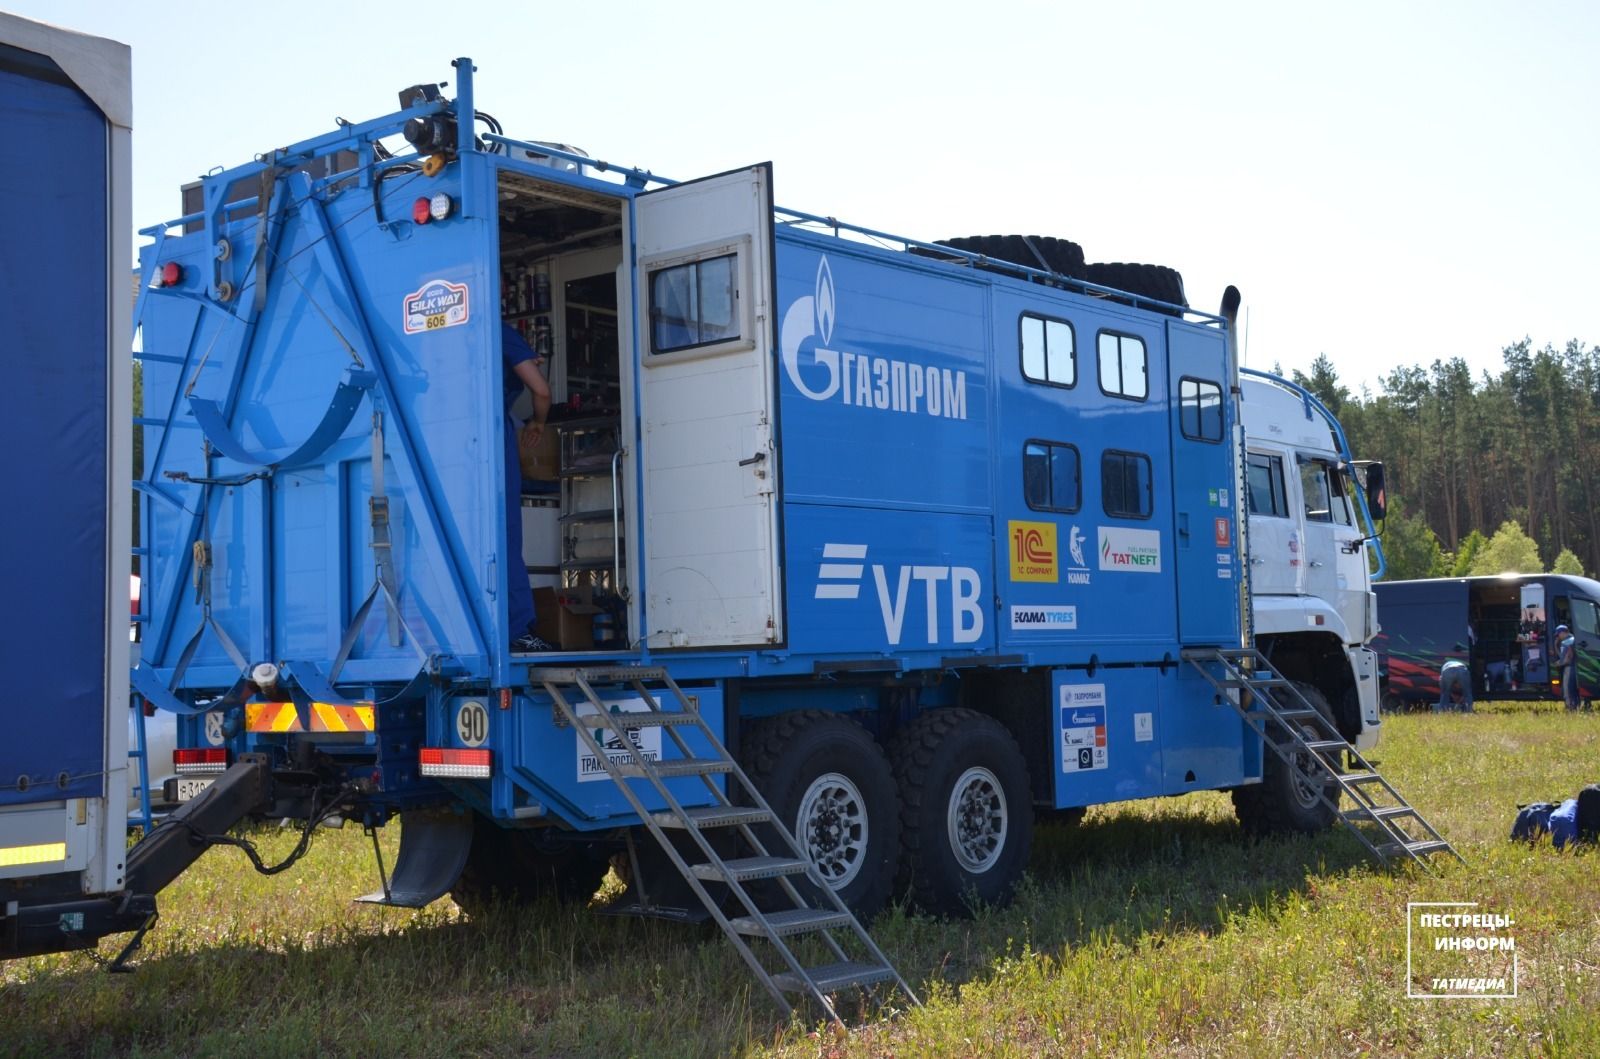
1533, 820
1564, 823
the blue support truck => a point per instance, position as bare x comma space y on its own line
852, 555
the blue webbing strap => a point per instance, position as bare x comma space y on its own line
346, 399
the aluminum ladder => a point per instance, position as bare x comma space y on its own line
1387, 825
797, 917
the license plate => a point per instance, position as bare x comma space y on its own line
192, 788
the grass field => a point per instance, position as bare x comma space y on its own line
1154, 929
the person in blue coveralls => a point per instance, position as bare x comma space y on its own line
1567, 660
521, 372
1455, 687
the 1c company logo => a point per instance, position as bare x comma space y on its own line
1033, 551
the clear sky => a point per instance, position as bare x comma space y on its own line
1386, 182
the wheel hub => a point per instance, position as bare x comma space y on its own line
977, 820
831, 826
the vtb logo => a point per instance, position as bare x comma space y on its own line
838, 579
1033, 551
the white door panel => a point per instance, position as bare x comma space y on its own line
710, 537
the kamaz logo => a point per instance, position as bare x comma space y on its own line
859, 379
842, 580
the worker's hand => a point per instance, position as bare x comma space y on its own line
532, 432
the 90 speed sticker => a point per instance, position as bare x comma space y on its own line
472, 723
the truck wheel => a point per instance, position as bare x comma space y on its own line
508, 866
968, 811
1283, 802
830, 785
1392, 703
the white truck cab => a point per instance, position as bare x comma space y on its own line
1310, 528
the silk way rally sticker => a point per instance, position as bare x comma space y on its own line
437, 304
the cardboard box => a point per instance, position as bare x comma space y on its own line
566, 617
541, 462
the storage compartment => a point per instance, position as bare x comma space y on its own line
561, 250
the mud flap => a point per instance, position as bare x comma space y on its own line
434, 844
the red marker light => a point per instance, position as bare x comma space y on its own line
200, 759
422, 210
171, 274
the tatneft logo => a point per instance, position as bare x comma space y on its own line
860, 379
1130, 550
842, 580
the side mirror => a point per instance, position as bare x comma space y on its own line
1377, 495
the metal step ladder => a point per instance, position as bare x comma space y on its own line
856, 958
1297, 732
140, 752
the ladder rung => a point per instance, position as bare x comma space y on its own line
1352, 780
636, 719
1289, 715
745, 869
1381, 812
597, 675
712, 816
789, 921
1427, 845
832, 977
670, 769
1254, 682
1327, 746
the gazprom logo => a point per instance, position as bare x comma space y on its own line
859, 379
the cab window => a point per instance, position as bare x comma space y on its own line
1584, 617
1315, 492
1266, 486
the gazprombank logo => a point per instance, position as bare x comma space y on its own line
860, 380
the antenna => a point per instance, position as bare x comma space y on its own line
1244, 357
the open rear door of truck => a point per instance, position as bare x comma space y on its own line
707, 454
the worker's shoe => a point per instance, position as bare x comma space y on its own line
529, 644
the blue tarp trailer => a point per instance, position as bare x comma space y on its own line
64, 418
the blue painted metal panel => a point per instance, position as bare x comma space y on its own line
291, 551
1204, 744
1209, 553
53, 419
1105, 747
551, 764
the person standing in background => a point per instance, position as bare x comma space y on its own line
1567, 660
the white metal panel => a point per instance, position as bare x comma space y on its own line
706, 456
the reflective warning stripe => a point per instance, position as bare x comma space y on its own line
271, 717
326, 717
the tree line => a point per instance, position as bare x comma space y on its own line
1486, 474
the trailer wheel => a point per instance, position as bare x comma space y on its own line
510, 867
830, 785
1284, 802
968, 811
1392, 702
